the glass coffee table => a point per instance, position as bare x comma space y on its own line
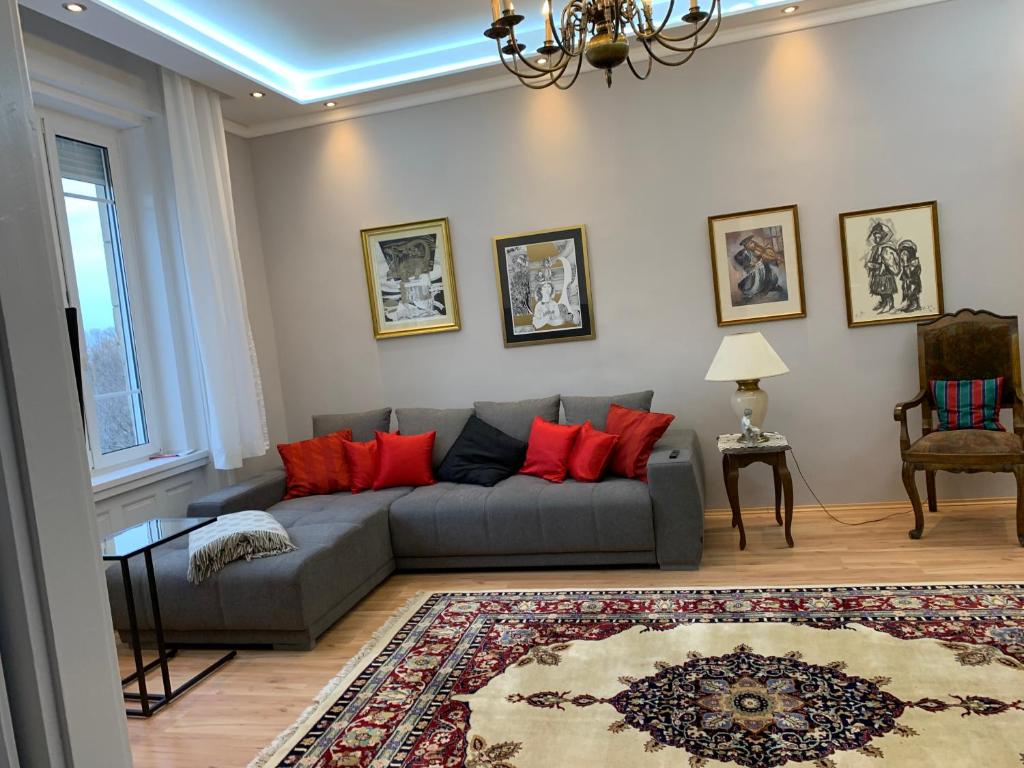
121, 547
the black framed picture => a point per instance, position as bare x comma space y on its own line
544, 287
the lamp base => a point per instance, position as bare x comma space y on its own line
749, 396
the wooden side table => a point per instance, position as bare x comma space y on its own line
736, 456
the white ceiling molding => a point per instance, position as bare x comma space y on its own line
776, 26
57, 96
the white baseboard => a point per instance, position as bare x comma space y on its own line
873, 506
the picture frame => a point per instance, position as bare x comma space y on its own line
892, 264
757, 266
410, 279
544, 287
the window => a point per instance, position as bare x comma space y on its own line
97, 283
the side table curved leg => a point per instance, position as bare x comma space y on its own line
725, 476
777, 478
787, 489
732, 488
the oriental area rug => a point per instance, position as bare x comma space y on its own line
821, 677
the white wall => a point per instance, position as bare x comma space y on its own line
916, 105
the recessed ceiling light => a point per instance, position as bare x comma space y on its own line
257, 94
74, 7
790, 9
330, 104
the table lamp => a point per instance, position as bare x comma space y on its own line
746, 358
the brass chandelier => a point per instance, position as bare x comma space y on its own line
599, 31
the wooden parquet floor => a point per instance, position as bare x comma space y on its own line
229, 718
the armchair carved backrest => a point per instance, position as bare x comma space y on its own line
972, 344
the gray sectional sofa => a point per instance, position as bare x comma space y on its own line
347, 544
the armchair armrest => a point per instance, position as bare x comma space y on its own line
675, 474
259, 492
900, 415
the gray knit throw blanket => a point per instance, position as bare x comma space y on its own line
249, 534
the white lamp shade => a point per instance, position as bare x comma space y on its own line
745, 357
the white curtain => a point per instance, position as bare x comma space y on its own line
209, 241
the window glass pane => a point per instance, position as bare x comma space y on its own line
76, 187
111, 363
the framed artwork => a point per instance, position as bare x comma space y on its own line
891, 264
756, 265
544, 287
411, 279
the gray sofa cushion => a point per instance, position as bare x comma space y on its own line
362, 424
340, 540
523, 515
516, 418
447, 422
595, 409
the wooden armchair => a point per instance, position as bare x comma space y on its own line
967, 345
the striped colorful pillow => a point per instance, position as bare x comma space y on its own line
968, 404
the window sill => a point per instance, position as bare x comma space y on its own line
116, 481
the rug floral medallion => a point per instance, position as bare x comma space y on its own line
821, 677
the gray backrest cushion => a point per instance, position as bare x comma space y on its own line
447, 422
580, 409
363, 424
516, 418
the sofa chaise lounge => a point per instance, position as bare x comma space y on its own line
347, 543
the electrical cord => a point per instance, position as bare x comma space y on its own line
825, 509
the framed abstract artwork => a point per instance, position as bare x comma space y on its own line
756, 265
892, 264
544, 287
411, 279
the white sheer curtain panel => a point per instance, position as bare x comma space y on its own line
209, 241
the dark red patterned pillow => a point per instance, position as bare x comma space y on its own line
316, 467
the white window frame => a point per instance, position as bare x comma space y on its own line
55, 124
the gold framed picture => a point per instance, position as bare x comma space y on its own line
410, 279
892, 264
544, 287
756, 265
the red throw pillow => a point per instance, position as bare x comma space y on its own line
362, 464
549, 448
316, 467
591, 454
404, 460
638, 431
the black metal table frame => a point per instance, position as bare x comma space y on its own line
151, 703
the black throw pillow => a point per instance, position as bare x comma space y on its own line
482, 455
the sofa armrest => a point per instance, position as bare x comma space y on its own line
259, 492
675, 474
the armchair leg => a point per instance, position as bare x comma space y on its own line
1019, 472
915, 500
933, 501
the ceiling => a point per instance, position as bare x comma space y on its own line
305, 52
